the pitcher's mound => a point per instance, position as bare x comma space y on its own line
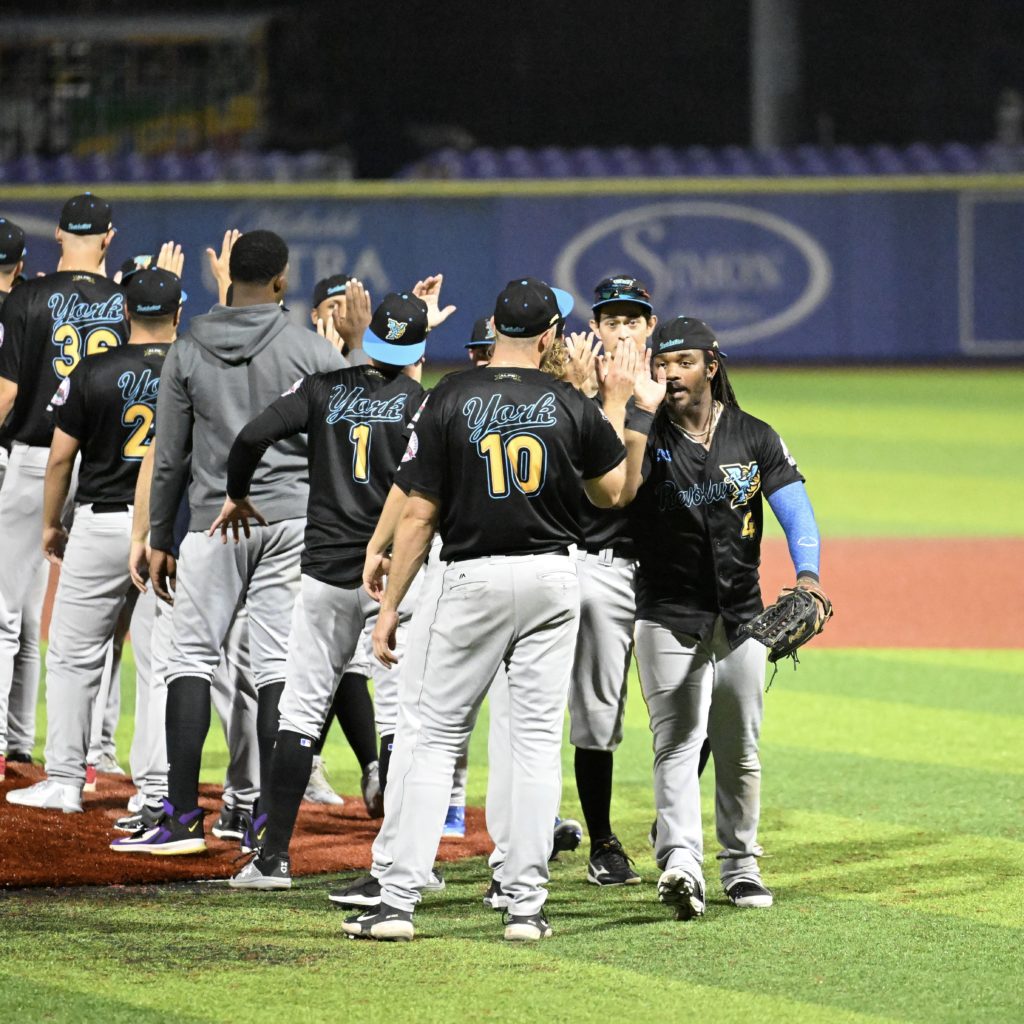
49, 848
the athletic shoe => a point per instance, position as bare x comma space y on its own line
145, 818
363, 892
264, 873
567, 836
436, 883
455, 823
609, 864
107, 764
749, 892
90, 779
496, 898
255, 832
373, 795
681, 891
19, 757
49, 795
231, 824
527, 929
385, 923
318, 789
172, 835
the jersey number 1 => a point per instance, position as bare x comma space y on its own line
359, 435
521, 457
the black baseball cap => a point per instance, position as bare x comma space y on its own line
86, 215
154, 292
528, 307
483, 333
622, 288
398, 330
132, 266
685, 332
12, 242
330, 286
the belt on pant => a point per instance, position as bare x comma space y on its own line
509, 554
604, 556
103, 507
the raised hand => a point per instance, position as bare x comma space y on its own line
616, 375
579, 370
352, 324
429, 290
329, 330
648, 389
220, 265
235, 514
171, 258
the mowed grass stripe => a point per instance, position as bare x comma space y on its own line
977, 740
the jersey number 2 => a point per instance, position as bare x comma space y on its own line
139, 417
70, 341
521, 457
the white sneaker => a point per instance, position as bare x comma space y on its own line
318, 790
107, 764
683, 892
49, 795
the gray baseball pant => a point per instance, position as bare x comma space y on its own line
233, 695
214, 580
21, 708
106, 710
697, 688
604, 647
94, 589
520, 610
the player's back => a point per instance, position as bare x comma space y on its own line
109, 405
47, 326
505, 450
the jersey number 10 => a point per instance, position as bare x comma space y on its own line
521, 458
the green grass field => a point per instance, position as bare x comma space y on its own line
893, 787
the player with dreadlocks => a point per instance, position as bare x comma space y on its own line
699, 468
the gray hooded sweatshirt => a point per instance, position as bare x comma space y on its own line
227, 369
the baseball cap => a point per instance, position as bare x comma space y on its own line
154, 292
330, 286
483, 333
622, 289
132, 266
12, 242
685, 332
86, 215
398, 330
528, 307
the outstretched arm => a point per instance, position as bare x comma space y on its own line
792, 508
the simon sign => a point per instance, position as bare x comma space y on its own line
749, 273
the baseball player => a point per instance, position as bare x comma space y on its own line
104, 410
496, 460
357, 421
47, 326
229, 365
480, 347
706, 467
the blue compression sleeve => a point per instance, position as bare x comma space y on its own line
793, 510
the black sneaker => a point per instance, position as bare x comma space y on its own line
567, 836
231, 824
527, 929
682, 892
274, 872
496, 898
749, 892
363, 892
609, 864
384, 923
254, 831
19, 757
146, 818
173, 834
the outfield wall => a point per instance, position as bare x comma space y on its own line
905, 269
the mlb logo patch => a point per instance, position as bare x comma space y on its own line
662, 455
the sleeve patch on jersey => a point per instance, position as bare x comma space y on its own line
785, 451
412, 448
62, 393
295, 387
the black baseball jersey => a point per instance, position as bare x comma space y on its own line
108, 403
47, 326
697, 520
357, 421
505, 451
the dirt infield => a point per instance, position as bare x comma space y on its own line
915, 593
47, 848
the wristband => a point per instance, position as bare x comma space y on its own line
640, 420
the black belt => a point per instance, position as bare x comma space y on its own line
508, 554
102, 507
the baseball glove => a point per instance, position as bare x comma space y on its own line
797, 616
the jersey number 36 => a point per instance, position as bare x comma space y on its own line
521, 458
99, 339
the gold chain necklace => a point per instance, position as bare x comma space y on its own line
704, 436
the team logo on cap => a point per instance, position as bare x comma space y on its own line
744, 481
396, 328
